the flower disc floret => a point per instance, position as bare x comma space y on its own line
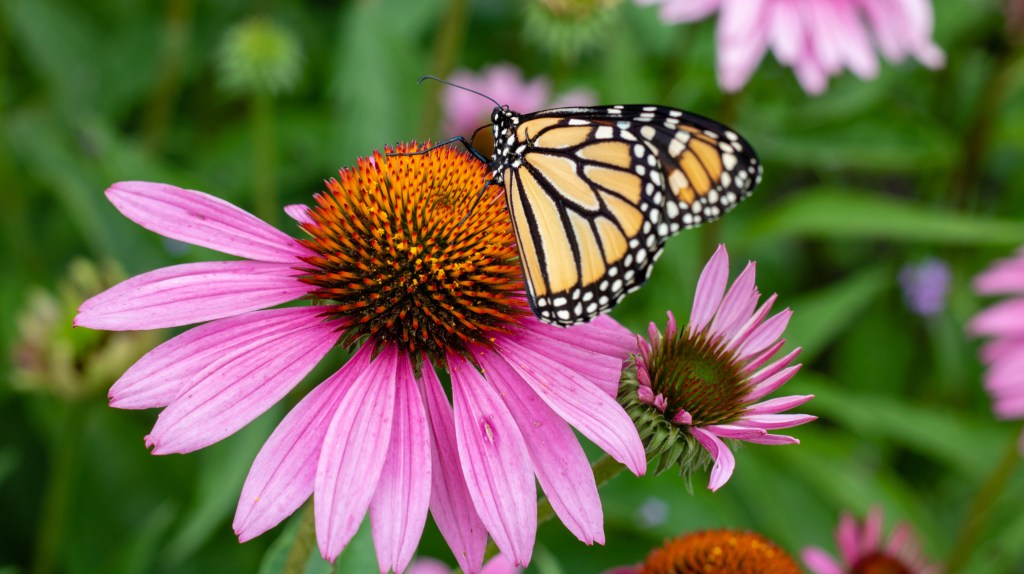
719, 552
402, 254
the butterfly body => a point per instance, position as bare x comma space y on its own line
595, 192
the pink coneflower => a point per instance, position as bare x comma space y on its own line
1004, 322
401, 276
705, 383
863, 551
817, 38
464, 111
496, 565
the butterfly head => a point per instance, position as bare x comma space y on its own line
503, 123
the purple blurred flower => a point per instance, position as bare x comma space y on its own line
465, 111
863, 551
925, 286
817, 38
1004, 322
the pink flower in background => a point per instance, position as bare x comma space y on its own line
1004, 323
863, 551
817, 38
464, 111
925, 286
379, 435
710, 378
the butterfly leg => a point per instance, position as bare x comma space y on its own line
457, 139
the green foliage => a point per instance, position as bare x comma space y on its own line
860, 181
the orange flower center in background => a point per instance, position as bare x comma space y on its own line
404, 255
719, 552
879, 564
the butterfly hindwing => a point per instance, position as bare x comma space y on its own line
594, 193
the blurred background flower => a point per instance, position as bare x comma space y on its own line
817, 38
715, 551
864, 550
925, 286
464, 111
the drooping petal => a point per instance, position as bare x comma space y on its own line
495, 462
558, 459
450, 503
580, 403
820, 562
191, 293
725, 462
710, 289
773, 440
778, 405
283, 474
771, 422
398, 510
735, 432
249, 376
160, 375
201, 219
742, 42
354, 452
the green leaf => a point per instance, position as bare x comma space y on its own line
830, 212
821, 317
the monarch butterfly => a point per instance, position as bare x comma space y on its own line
595, 192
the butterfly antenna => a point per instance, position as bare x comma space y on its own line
447, 83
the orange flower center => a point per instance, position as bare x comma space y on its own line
719, 552
404, 256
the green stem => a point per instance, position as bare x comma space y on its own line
605, 469
449, 40
305, 541
63, 462
264, 157
176, 33
964, 181
984, 501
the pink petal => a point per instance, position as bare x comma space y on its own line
282, 476
786, 32
500, 565
191, 293
847, 539
1009, 407
201, 219
871, 535
855, 47
771, 422
602, 370
160, 375
765, 334
725, 462
1005, 318
820, 562
744, 332
762, 375
685, 10
249, 376
558, 459
773, 440
735, 432
428, 566
398, 510
811, 74
771, 383
354, 452
755, 363
778, 405
737, 305
603, 335
580, 403
710, 289
450, 503
300, 213
999, 349
495, 462
1005, 373
742, 42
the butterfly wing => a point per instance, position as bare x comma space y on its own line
597, 191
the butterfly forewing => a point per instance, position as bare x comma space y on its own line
595, 192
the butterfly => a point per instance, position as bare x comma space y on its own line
595, 192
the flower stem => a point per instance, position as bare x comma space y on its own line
446, 48
302, 546
63, 463
160, 104
984, 501
264, 157
605, 469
